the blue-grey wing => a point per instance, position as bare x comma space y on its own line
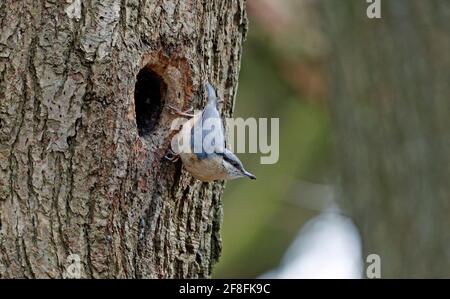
207, 133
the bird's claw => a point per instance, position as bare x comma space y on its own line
177, 111
171, 156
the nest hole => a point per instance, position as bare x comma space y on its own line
149, 97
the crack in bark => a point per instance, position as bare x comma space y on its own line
27, 260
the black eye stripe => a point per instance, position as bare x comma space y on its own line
232, 162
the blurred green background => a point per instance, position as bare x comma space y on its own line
364, 117
280, 78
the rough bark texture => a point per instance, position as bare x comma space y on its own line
391, 112
76, 174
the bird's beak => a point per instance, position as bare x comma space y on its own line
248, 174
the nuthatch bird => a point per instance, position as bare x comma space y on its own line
203, 152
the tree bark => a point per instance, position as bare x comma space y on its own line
82, 168
390, 108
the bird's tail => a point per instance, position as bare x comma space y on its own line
212, 97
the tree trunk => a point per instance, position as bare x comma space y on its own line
84, 127
392, 117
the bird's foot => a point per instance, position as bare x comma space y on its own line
171, 156
177, 111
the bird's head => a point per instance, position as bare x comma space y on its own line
233, 166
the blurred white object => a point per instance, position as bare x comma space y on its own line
327, 246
